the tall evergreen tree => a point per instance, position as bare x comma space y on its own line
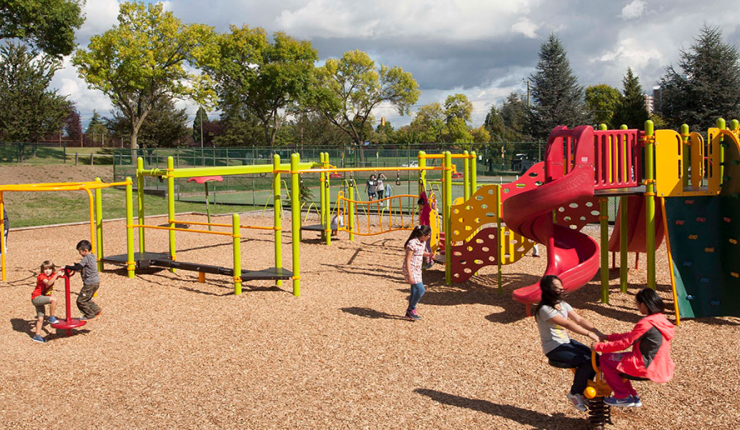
706, 87
557, 97
631, 110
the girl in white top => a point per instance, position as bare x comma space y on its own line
554, 316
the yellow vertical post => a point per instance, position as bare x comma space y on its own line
278, 209
650, 201
295, 221
99, 224
351, 214
140, 195
236, 233
466, 175
130, 263
473, 173
722, 145
2, 231
685, 157
171, 207
447, 197
327, 203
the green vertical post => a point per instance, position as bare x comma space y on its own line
322, 191
236, 233
171, 207
140, 195
208, 208
650, 201
473, 173
130, 263
604, 223
422, 173
466, 175
99, 224
686, 154
295, 221
499, 239
327, 204
447, 197
351, 214
721, 125
278, 209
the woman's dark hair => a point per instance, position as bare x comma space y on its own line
549, 296
651, 300
418, 231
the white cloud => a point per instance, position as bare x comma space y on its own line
526, 27
634, 10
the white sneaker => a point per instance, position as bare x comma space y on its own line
577, 401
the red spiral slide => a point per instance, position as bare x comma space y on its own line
572, 255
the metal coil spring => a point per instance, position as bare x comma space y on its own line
599, 413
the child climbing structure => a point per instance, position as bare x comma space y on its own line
702, 217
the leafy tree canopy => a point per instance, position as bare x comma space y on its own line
265, 77
706, 85
142, 61
349, 88
29, 110
602, 101
631, 110
458, 106
47, 24
165, 126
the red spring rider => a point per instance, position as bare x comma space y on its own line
69, 323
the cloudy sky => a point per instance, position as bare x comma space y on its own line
483, 49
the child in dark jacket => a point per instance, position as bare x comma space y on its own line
650, 357
88, 269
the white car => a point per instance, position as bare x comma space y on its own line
411, 164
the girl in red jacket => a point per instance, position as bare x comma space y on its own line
650, 357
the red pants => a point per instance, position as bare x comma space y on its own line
621, 387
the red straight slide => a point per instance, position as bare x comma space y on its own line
636, 232
571, 255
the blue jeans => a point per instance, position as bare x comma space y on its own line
417, 290
579, 356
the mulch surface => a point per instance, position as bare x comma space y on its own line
169, 352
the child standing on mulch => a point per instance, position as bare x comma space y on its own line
337, 221
41, 297
88, 269
554, 316
650, 357
412, 266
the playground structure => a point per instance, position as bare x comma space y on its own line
68, 323
93, 190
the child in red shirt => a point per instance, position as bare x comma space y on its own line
41, 297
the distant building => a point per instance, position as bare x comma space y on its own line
657, 99
649, 103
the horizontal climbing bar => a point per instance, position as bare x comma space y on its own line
157, 227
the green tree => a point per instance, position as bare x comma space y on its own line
557, 97
509, 122
601, 103
480, 135
29, 110
349, 88
199, 124
427, 126
313, 128
631, 110
72, 124
458, 106
239, 127
265, 77
141, 61
457, 131
165, 126
706, 86
49, 25
97, 129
